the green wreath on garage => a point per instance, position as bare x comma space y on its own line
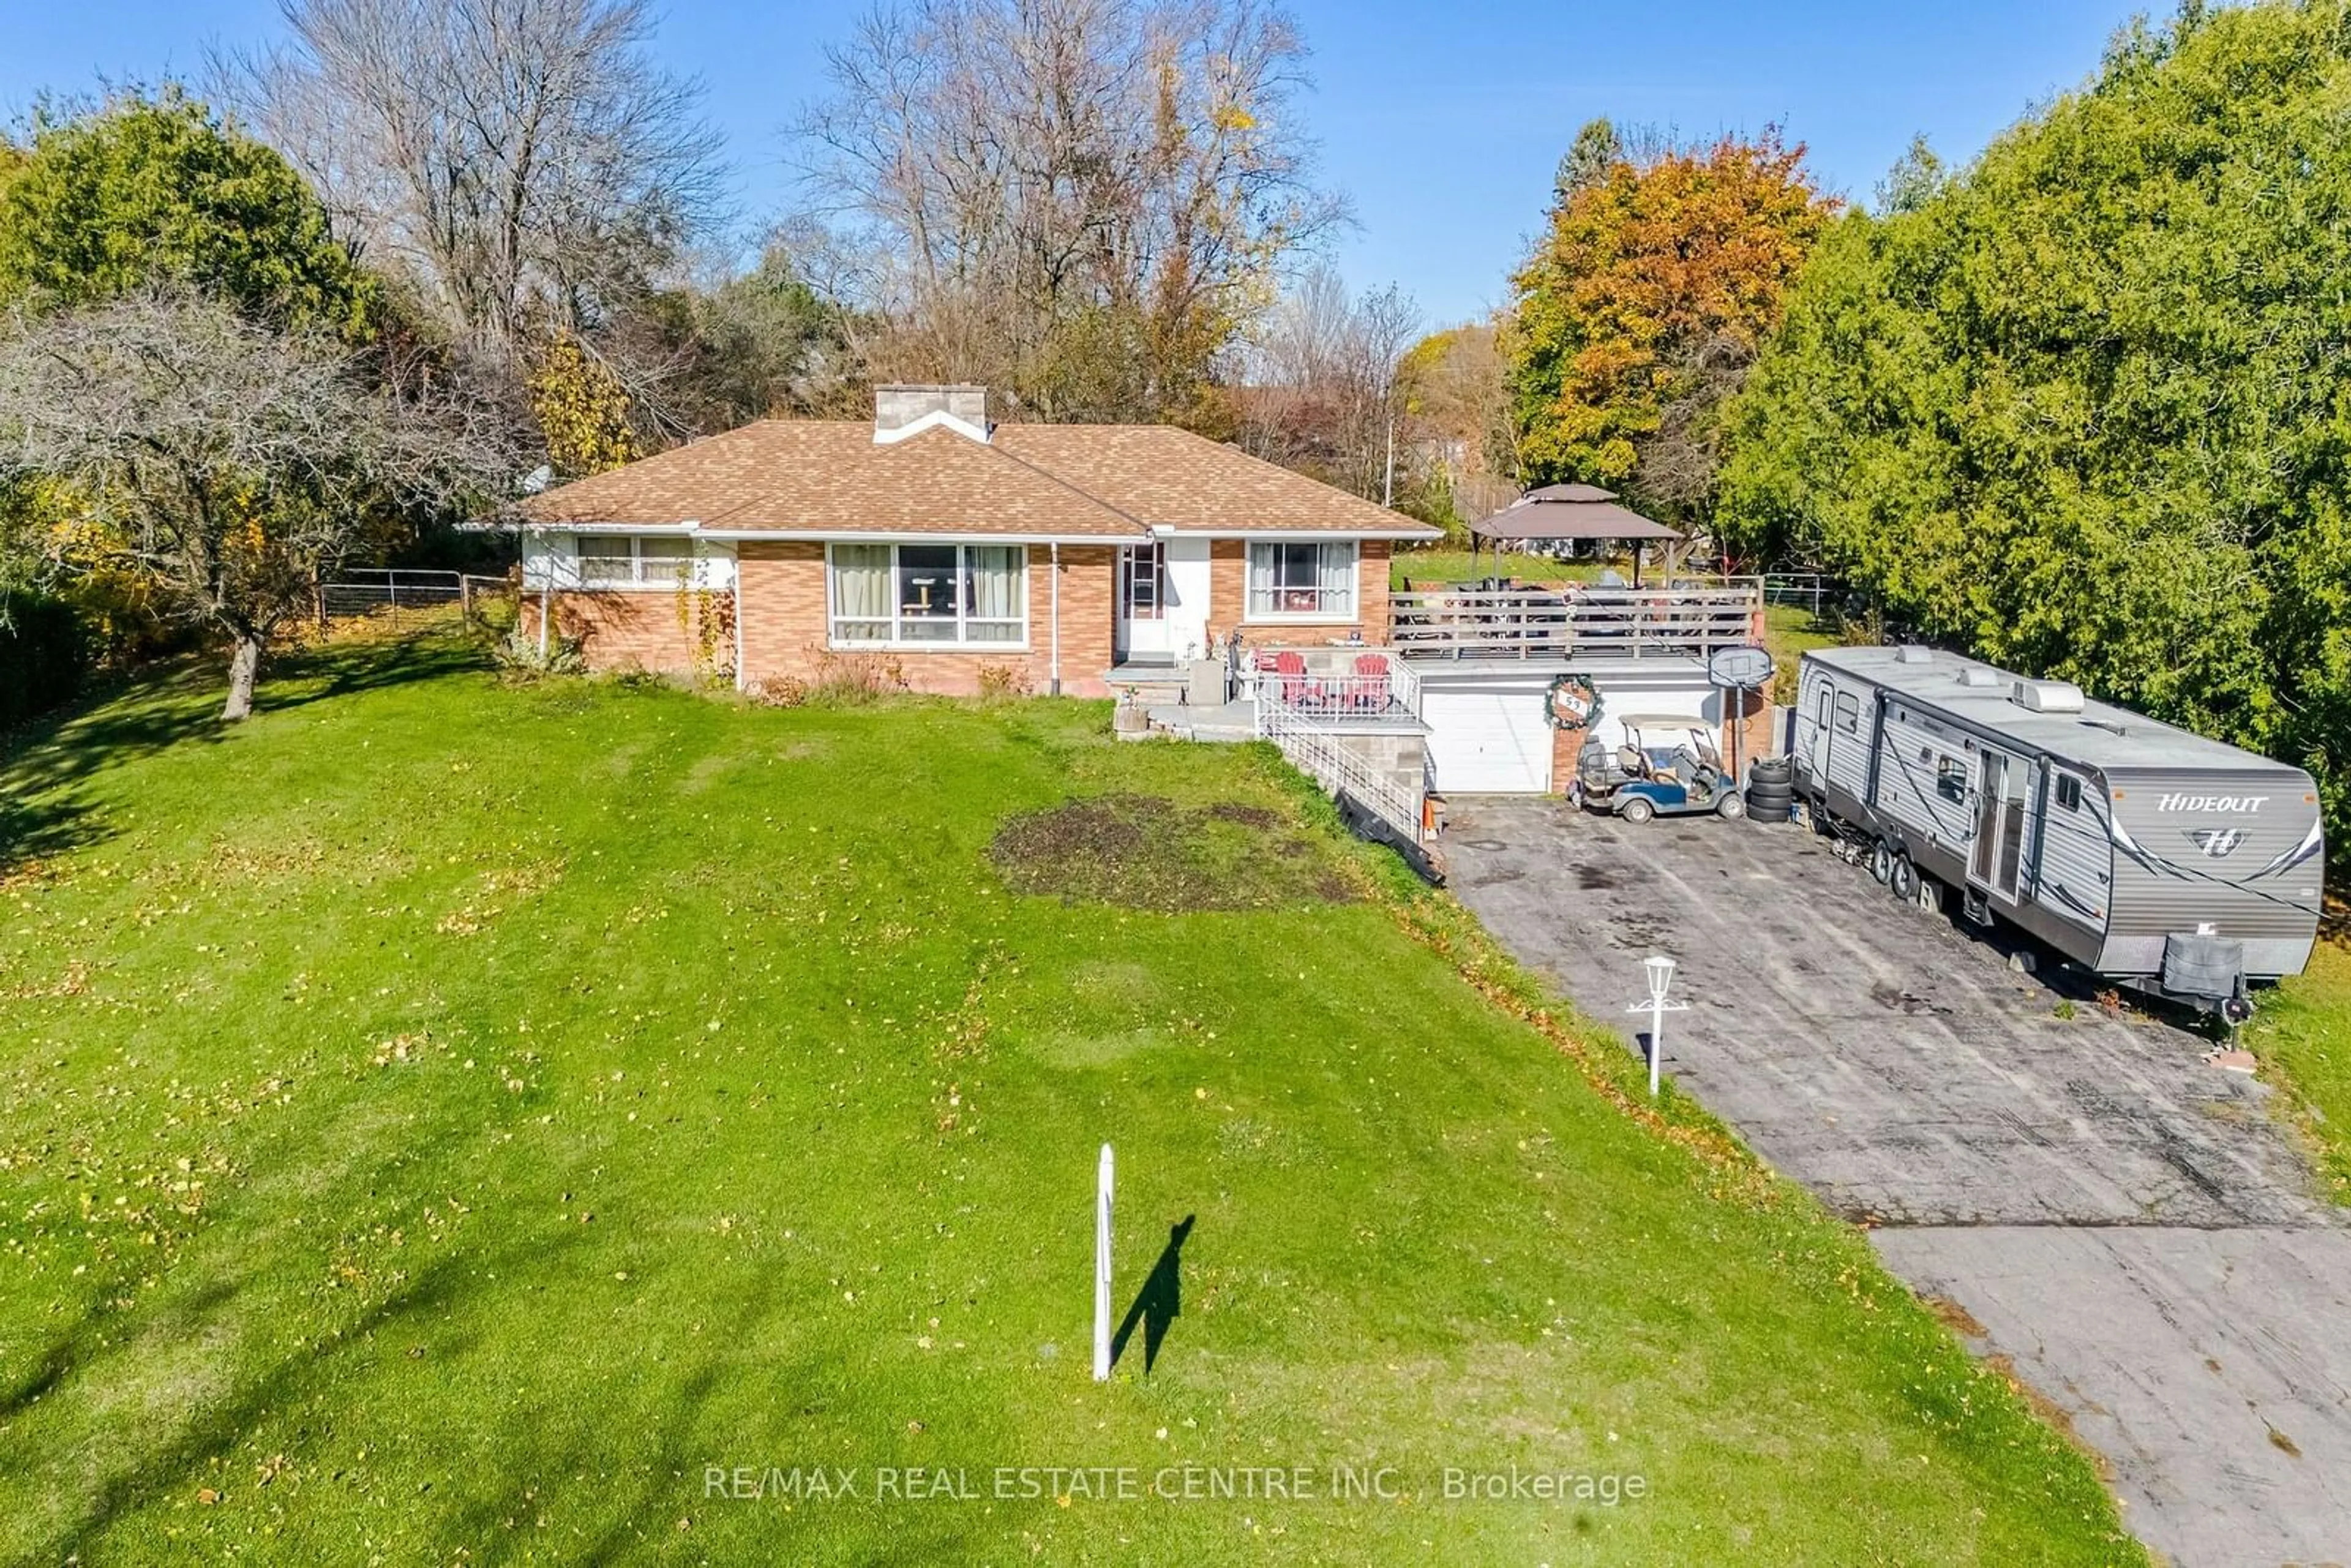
1572, 703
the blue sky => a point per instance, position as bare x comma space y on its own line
1441, 122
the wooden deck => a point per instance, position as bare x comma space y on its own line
1577, 623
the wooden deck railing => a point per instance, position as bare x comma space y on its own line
1575, 622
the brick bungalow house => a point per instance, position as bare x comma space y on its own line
1044, 554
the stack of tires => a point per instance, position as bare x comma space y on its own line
1770, 791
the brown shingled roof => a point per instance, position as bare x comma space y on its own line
829, 477
1164, 475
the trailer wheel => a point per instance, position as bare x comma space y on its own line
1929, 896
1904, 878
1881, 861
1636, 811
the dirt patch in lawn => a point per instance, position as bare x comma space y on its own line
1140, 851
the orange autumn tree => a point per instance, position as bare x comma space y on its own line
1660, 273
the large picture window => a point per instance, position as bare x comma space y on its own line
1312, 581
634, 561
956, 595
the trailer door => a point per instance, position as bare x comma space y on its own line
2000, 825
1816, 744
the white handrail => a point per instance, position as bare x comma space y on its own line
1312, 746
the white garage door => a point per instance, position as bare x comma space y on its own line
1488, 739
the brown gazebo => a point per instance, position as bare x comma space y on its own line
1572, 512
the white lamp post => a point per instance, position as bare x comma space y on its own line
1659, 972
1101, 1269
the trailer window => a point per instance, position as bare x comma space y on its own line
1848, 716
2069, 792
1951, 779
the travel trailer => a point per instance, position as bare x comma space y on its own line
2154, 857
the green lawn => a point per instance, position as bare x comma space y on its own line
1445, 564
442, 1122
2302, 1037
1790, 632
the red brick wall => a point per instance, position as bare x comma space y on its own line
1228, 599
785, 627
639, 631
782, 585
1371, 589
1227, 585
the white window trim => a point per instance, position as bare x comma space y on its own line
664, 576
898, 645
1251, 616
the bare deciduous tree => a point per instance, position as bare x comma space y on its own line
1322, 383
526, 160
223, 464
1080, 201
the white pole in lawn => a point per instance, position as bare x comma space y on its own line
1101, 1269
1659, 971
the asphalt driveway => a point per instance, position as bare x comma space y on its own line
2126, 1223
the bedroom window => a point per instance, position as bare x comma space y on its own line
928, 595
634, 561
1312, 581
2069, 792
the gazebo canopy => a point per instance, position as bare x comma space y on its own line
1570, 512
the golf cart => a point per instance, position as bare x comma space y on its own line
1666, 767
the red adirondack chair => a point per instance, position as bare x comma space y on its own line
1371, 684
1297, 691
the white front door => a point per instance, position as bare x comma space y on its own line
1187, 597
1143, 628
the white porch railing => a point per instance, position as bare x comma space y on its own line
1576, 621
1348, 698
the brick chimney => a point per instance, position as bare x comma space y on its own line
900, 410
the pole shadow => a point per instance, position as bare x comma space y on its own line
1160, 1301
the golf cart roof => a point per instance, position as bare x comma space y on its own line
1663, 721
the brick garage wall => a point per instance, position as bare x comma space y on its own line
1565, 745
1754, 736
1228, 599
785, 625
639, 631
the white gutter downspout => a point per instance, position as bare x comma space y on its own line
1056, 547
